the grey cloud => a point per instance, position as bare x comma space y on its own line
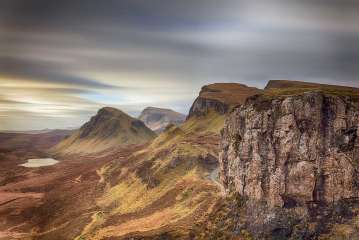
5, 101
181, 43
46, 73
156, 14
54, 90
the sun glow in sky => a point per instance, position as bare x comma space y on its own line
62, 60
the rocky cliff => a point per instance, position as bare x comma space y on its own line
157, 119
220, 97
293, 153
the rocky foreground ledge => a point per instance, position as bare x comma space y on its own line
294, 157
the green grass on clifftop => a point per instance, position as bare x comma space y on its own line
295, 88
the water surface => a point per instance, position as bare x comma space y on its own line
39, 162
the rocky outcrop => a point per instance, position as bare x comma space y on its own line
157, 119
202, 106
220, 97
293, 153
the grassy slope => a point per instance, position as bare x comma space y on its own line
229, 93
110, 128
163, 188
289, 88
75, 145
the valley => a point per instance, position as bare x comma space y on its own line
117, 189
204, 178
53, 201
179, 120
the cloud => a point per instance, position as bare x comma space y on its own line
44, 72
4, 101
60, 57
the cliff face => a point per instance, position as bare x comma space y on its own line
220, 97
294, 159
293, 150
202, 105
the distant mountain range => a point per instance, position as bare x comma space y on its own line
38, 139
41, 131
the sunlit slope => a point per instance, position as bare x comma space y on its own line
165, 189
109, 128
162, 189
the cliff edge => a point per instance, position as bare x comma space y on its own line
293, 154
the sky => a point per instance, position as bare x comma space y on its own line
60, 61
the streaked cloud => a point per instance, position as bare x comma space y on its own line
62, 60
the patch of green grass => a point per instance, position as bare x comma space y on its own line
133, 195
184, 142
97, 220
212, 122
329, 90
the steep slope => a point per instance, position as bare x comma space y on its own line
109, 128
158, 118
221, 97
167, 188
292, 154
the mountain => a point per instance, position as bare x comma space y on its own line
109, 128
170, 185
158, 118
280, 163
221, 97
292, 153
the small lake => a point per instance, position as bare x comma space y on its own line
39, 162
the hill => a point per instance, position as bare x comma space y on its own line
163, 190
271, 185
158, 118
109, 128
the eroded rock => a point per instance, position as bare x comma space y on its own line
291, 152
